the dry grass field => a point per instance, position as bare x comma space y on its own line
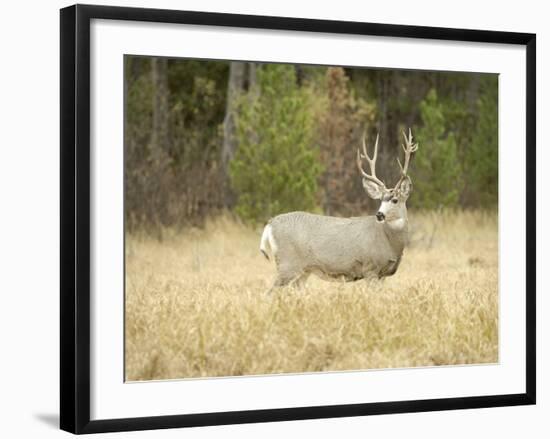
196, 305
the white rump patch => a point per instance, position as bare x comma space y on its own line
268, 240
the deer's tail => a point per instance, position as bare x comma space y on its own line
267, 243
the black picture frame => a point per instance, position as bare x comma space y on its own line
75, 217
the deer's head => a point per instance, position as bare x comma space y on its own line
392, 201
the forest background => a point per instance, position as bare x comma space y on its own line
205, 137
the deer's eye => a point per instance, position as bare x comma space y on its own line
394, 200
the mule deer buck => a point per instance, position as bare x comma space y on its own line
347, 249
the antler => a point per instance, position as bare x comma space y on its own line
409, 148
372, 162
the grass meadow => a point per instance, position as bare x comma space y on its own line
196, 304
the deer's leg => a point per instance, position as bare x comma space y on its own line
284, 278
300, 281
280, 281
390, 268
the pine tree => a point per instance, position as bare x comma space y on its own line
276, 166
482, 155
341, 123
437, 172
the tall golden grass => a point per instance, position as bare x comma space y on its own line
196, 305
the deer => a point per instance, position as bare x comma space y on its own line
344, 249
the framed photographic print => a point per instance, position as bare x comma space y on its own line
273, 218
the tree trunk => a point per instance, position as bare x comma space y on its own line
160, 137
253, 94
235, 87
252, 82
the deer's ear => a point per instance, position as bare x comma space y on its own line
405, 188
374, 190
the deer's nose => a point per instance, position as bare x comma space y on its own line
380, 216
